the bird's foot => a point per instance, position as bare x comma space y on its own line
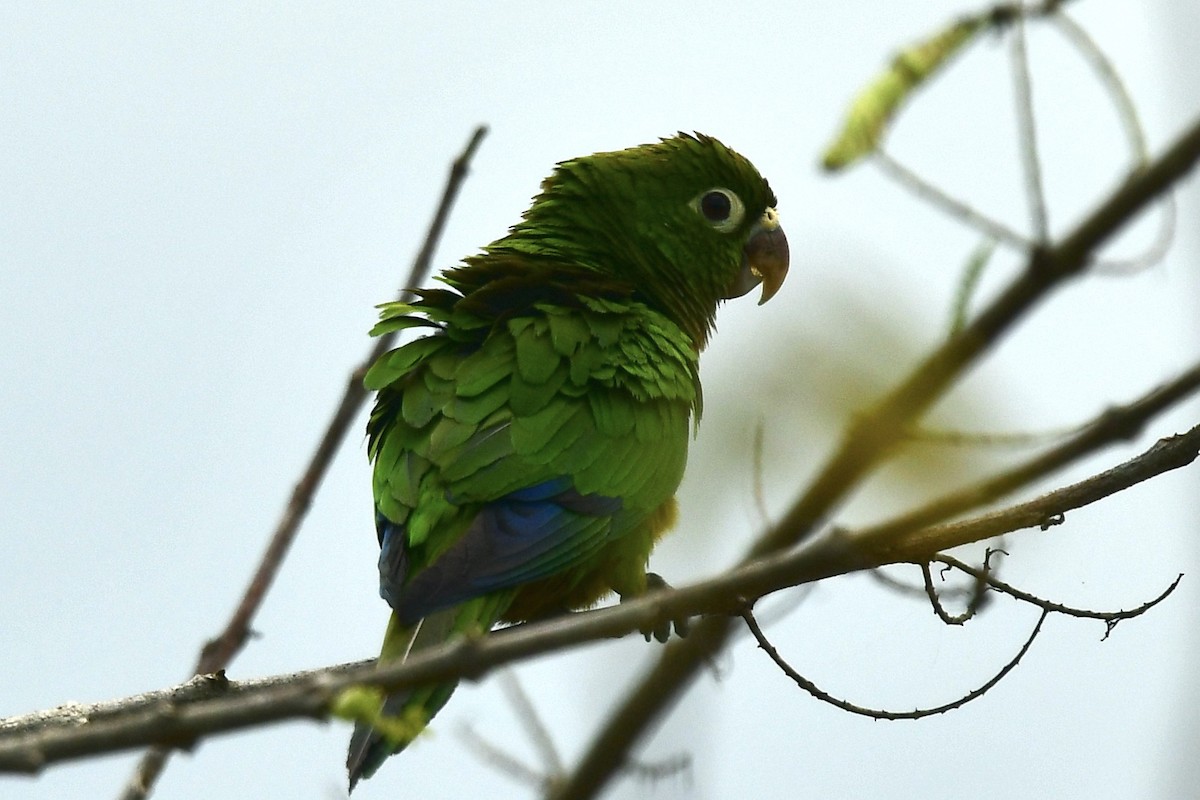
661, 630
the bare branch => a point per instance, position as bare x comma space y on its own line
879, 713
211, 704
1166, 454
992, 228
532, 722
218, 652
1030, 161
1110, 618
1116, 424
503, 761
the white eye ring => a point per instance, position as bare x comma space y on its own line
721, 208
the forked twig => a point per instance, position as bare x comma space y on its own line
984, 577
1109, 618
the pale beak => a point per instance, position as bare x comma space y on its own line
764, 259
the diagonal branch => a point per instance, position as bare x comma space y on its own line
211, 704
218, 652
1166, 454
1116, 424
867, 442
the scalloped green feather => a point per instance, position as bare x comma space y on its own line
568, 332
486, 447
476, 408
526, 397
393, 324
537, 359
395, 364
487, 366
531, 433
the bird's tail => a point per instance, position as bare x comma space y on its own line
369, 748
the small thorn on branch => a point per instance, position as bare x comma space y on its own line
1052, 520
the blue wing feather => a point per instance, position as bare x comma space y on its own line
524, 536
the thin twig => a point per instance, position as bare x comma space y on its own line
532, 723
995, 439
654, 771
1109, 618
972, 274
974, 602
1027, 135
1111, 80
789, 603
992, 228
758, 471
905, 589
879, 713
503, 761
1156, 252
218, 652
506, 762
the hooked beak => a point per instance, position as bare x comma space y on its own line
764, 259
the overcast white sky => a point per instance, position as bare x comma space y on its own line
200, 205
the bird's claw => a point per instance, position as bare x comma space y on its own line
661, 629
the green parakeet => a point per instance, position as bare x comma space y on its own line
527, 449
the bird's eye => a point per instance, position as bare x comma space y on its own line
716, 206
722, 208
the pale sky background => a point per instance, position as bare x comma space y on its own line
201, 204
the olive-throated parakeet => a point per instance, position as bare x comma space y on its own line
527, 449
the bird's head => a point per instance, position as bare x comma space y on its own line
685, 222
